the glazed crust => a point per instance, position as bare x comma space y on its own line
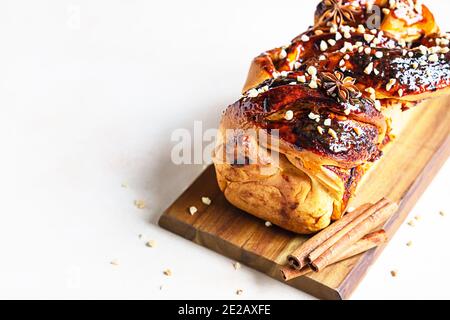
322, 119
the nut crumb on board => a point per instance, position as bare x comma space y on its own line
411, 223
442, 213
417, 218
167, 272
124, 185
394, 273
140, 204
239, 292
409, 243
236, 265
151, 243
192, 210
268, 224
206, 200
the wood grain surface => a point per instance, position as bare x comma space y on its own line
403, 174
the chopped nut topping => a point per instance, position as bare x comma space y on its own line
313, 84
301, 79
268, 224
304, 38
252, 93
193, 210
289, 115
369, 37
323, 46
140, 204
320, 130
368, 70
151, 243
361, 29
314, 116
379, 54
433, 58
332, 42
327, 122
206, 200
332, 133
423, 49
390, 84
283, 54
312, 70
167, 272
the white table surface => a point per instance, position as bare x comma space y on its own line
90, 92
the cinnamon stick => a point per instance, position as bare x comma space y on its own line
357, 232
327, 244
299, 258
366, 243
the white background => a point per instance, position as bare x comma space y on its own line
90, 92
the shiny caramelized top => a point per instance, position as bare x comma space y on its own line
327, 90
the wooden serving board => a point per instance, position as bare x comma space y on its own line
403, 174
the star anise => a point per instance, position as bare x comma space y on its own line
336, 12
340, 87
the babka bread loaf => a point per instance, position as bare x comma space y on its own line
315, 115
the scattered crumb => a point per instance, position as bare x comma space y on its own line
351, 209
411, 223
206, 200
114, 262
151, 243
442, 213
418, 218
268, 224
239, 292
124, 185
193, 210
167, 272
394, 273
160, 287
409, 243
140, 236
236, 265
140, 204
